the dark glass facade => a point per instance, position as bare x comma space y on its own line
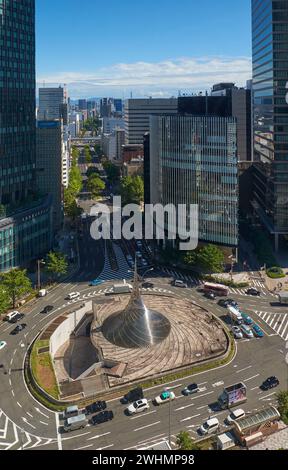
270, 77
17, 100
25, 218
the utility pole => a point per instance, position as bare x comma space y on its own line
39, 262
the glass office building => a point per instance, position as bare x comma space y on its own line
193, 160
20, 201
270, 78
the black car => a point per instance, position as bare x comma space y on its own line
17, 318
253, 291
102, 417
209, 295
95, 407
18, 329
269, 383
191, 389
47, 309
133, 395
223, 303
232, 302
147, 285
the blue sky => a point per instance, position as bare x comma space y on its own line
148, 47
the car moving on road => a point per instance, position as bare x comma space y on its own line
247, 332
191, 389
102, 417
223, 303
269, 383
253, 291
47, 309
179, 283
237, 332
138, 407
133, 395
96, 407
209, 427
18, 329
257, 331
235, 415
147, 285
73, 295
165, 397
96, 283
2, 344
209, 295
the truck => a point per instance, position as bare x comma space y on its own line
235, 315
122, 288
233, 395
42, 293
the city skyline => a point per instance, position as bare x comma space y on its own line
128, 61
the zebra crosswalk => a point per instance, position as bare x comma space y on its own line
278, 322
183, 277
124, 270
14, 437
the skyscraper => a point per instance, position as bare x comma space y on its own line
270, 78
24, 214
53, 104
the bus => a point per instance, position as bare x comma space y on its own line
217, 289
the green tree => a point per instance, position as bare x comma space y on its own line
185, 442
92, 170
87, 154
16, 283
56, 263
112, 172
190, 258
4, 300
95, 185
282, 398
210, 259
132, 190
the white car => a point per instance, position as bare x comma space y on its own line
165, 397
209, 427
138, 406
235, 415
73, 295
237, 332
2, 344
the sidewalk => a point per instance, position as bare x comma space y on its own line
277, 441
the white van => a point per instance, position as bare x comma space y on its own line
71, 411
178, 283
210, 426
74, 423
122, 288
42, 293
73, 295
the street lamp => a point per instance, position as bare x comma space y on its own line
39, 262
167, 389
143, 275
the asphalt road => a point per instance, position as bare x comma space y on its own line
26, 424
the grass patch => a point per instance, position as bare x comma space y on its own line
43, 370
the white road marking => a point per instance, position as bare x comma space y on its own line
266, 396
184, 407
12, 391
253, 388
42, 422
242, 370
84, 447
58, 433
251, 378
148, 426
189, 418
201, 407
143, 415
97, 437
39, 411
20, 405
73, 437
29, 414
107, 447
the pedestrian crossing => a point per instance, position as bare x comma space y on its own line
183, 277
123, 268
278, 322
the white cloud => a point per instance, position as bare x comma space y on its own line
154, 79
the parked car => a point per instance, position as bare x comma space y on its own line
223, 303
233, 303
269, 383
253, 291
133, 395
47, 309
138, 406
73, 295
96, 407
102, 417
191, 389
257, 331
210, 426
18, 328
2, 344
165, 397
237, 332
247, 320
209, 295
234, 416
247, 332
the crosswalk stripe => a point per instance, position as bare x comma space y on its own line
280, 327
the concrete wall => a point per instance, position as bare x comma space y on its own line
63, 332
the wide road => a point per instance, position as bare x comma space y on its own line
26, 424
